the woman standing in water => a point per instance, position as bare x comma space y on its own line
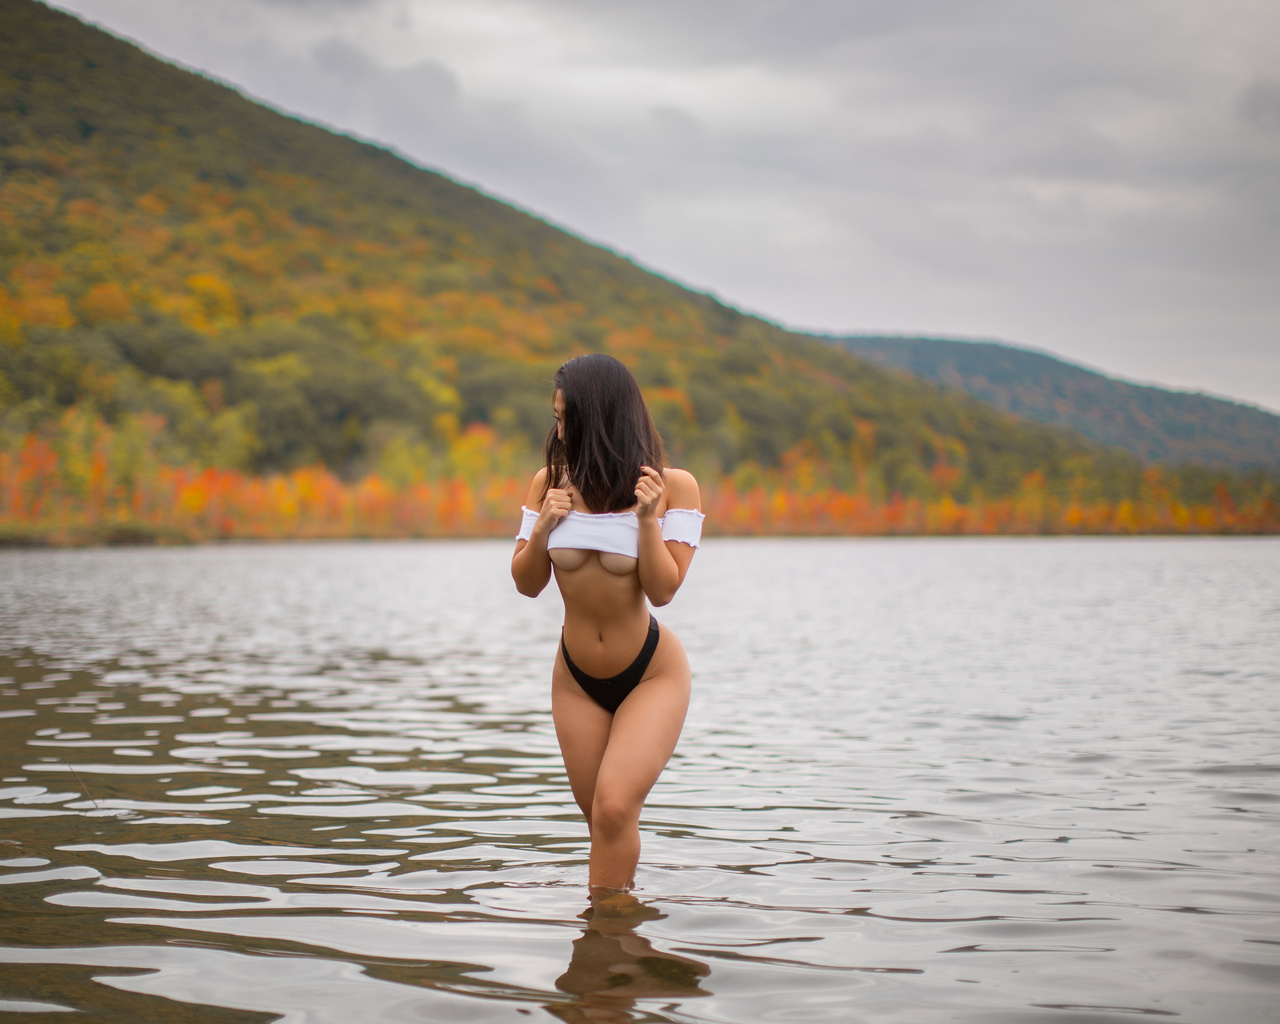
617, 528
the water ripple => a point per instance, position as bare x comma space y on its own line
1026, 781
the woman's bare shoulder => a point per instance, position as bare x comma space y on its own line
682, 489
536, 490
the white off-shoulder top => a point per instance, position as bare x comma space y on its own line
616, 533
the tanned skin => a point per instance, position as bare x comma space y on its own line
613, 759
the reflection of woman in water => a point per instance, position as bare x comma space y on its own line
613, 966
617, 528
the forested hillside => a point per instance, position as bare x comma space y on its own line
1155, 424
202, 299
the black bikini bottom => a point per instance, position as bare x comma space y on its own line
610, 693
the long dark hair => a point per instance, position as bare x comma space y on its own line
608, 434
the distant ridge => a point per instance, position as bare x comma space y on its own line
1154, 423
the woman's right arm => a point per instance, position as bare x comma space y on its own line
531, 565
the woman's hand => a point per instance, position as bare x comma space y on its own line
531, 565
649, 490
555, 506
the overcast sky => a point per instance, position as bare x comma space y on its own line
1096, 178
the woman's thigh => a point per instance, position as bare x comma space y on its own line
646, 727
582, 728
628, 749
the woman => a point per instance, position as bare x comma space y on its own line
617, 528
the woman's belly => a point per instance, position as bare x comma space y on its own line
606, 619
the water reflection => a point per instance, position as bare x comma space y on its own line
613, 965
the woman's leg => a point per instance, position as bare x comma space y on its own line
644, 734
582, 727
614, 760
642, 738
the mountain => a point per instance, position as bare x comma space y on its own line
225, 286
1156, 424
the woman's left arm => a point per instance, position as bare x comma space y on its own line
663, 565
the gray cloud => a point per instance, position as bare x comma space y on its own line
1093, 178
1260, 105
337, 58
312, 4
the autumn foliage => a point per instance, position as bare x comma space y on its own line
88, 482
219, 322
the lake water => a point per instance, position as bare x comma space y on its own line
1022, 780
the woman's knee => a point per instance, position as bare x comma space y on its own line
613, 811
